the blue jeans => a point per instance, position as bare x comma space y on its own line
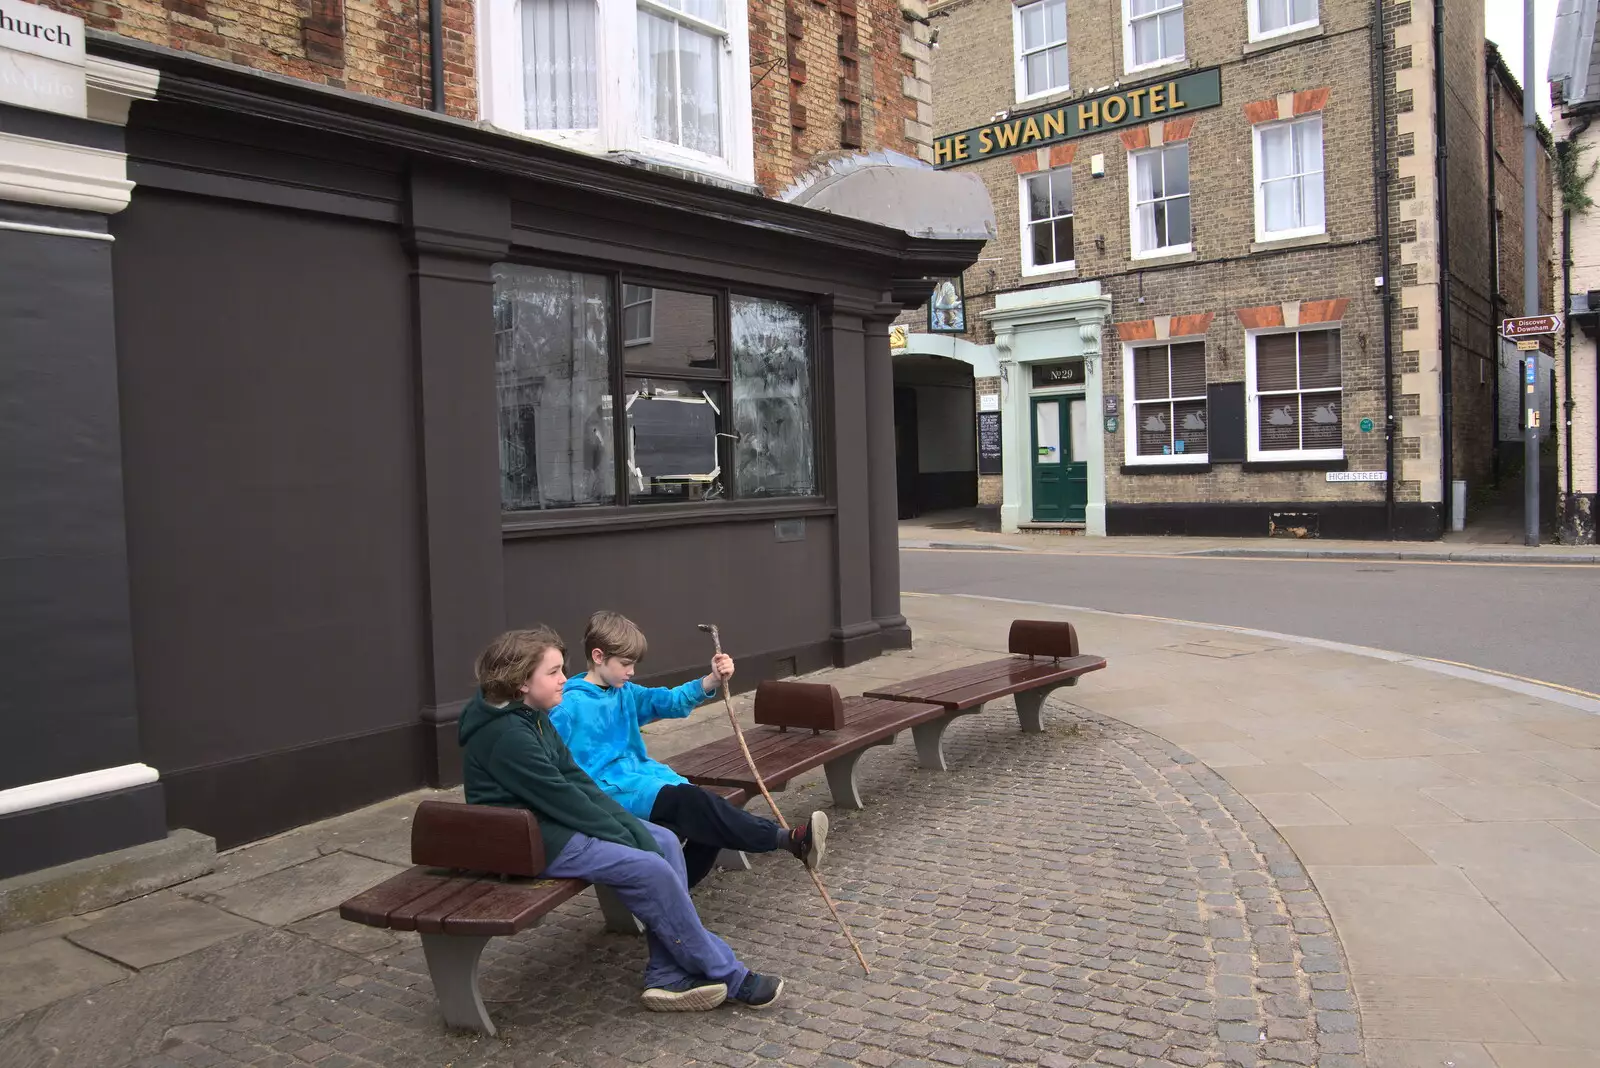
654, 888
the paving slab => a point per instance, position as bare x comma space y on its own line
1585, 831
303, 890
1581, 764
45, 972
1353, 845
1566, 935
1424, 921
129, 1020
1387, 807
1493, 803
143, 933
1527, 1056
1397, 1053
1523, 842
1505, 768
1436, 1010
1295, 810
1558, 1014
1275, 779
1393, 773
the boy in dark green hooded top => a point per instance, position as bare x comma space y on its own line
512, 756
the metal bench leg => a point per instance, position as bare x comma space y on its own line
842, 780
1029, 706
929, 738
453, 966
618, 919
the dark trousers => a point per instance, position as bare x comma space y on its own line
710, 824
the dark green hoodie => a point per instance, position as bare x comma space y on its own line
514, 758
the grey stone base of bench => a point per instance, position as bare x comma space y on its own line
453, 964
929, 737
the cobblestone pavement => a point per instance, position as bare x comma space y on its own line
1089, 895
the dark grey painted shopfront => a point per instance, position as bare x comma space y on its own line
312, 381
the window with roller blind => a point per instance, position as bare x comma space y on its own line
1296, 395
1167, 413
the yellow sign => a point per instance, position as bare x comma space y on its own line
898, 336
1528, 344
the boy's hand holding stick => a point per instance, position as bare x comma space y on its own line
727, 702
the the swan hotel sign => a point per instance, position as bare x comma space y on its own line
1096, 113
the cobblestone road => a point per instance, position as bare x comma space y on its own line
1090, 895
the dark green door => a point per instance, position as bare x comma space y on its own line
1060, 475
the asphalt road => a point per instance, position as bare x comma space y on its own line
1538, 622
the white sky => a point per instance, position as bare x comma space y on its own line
1503, 25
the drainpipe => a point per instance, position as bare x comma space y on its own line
1494, 274
1446, 345
1570, 144
1380, 83
436, 52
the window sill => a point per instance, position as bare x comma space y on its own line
1065, 270
1153, 70
1049, 96
1273, 244
1340, 464
569, 521
1161, 259
1258, 45
1197, 468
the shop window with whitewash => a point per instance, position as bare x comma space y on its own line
664, 79
1040, 32
1152, 33
1046, 203
1159, 193
1288, 179
1167, 383
1272, 18
708, 398
1296, 399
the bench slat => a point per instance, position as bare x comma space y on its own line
1032, 677
404, 918
510, 907
781, 757
921, 687
958, 690
372, 907
431, 919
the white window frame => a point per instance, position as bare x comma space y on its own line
1256, 32
1133, 207
1020, 70
650, 335
1130, 436
621, 129
1262, 233
1025, 228
1253, 451
1128, 64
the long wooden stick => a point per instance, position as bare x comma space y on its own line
727, 702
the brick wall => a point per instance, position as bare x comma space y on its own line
834, 76
973, 80
375, 47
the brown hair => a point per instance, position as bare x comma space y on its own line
613, 634
511, 659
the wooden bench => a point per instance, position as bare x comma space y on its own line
802, 726
476, 878
1045, 657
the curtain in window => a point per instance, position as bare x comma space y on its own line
680, 81
772, 417
560, 64
1279, 14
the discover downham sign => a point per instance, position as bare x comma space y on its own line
1080, 118
42, 59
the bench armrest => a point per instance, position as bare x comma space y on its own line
1038, 637
505, 841
813, 705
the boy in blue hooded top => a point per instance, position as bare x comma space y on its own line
599, 719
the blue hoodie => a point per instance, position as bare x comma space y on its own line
601, 727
